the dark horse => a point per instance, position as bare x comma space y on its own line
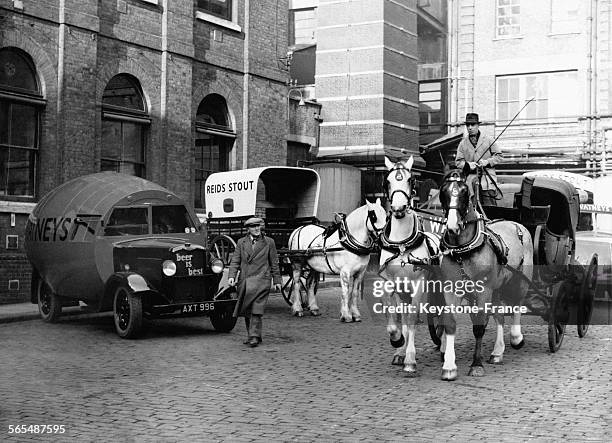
477, 251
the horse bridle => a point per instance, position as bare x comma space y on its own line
398, 168
372, 217
454, 202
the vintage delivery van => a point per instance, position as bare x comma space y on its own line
121, 243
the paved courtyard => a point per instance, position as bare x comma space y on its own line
312, 379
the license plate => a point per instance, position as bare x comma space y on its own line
197, 307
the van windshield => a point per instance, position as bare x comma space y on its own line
128, 221
171, 219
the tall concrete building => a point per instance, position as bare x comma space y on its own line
167, 90
505, 52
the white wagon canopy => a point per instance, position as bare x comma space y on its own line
274, 192
285, 197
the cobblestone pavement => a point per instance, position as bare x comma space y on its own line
312, 379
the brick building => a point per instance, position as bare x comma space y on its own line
167, 90
379, 71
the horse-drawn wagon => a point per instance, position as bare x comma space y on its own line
550, 208
285, 197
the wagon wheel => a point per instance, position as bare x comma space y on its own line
586, 297
287, 287
222, 247
436, 329
559, 314
538, 251
286, 270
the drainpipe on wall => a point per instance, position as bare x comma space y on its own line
245, 87
589, 88
61, 176
594, 85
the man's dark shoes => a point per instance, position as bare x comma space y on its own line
254, 341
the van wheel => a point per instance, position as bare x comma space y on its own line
127, 310
49, 304
223, 321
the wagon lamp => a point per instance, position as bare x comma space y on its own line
217, 266
169, 268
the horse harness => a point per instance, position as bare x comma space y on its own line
484, 234
414, 240
346, 239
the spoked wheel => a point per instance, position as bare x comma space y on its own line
49, 304
559, 314
586, 297
435, 328
127, 309
287, 288
223, 321
222, 247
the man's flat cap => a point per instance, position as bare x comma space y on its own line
254, 221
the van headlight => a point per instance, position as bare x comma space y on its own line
217, 266
169, 268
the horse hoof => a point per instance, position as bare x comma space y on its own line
398, 360
315, 313
356, 319
298, 314
397, 343
449, 374
496, 360
410, 369
346, 320
518, 345
476, 371
442, 357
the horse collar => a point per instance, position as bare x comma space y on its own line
471, 245
349, 242
414, 239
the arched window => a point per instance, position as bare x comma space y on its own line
213, 142
124, 126
20, 108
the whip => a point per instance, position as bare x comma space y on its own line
504, 130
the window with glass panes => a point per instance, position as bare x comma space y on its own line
20, 107
220, 8
564, 16
124, 127
508, 18
430, 106
302, 26
555, 95
213, 142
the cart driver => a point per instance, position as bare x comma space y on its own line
257, 260
478, 149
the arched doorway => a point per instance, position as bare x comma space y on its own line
213, 142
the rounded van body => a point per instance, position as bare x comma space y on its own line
122, 243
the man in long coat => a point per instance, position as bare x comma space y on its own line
478, 149
256, 259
